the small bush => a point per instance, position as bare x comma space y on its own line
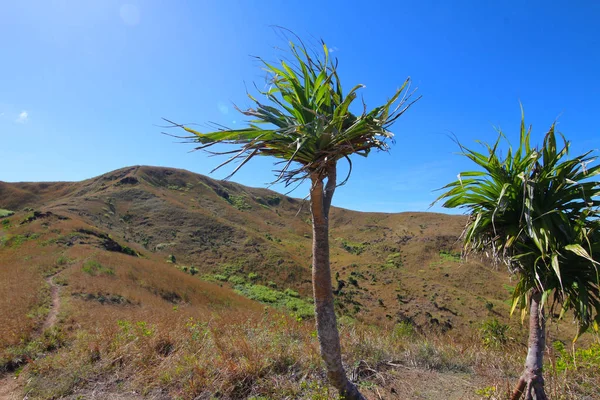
588, 358
394, 260
94, 268
273, 200
291, 293
237, 280
403, 330
493, 333
449, 256
17, 240
288, 299
62, 260
239, 202
262, 293
220, 278
352, 247
5, 213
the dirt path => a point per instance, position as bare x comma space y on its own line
9, 386
52, 316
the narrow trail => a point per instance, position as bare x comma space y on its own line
52, 316
9, 386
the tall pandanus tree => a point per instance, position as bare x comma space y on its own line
305, 120
537, 211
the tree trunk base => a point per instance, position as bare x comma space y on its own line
531, 386
351, 393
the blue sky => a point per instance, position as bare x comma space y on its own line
83, 84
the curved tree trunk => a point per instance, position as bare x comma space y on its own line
329, 338
531, 383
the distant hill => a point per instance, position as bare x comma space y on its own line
159, 280
388, 266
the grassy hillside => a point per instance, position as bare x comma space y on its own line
173, 285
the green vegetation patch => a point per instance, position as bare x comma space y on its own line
239, 202
50, 340
17, 240
353, 247
394, 260
94, 268
288, 299
5, 213
104, 298
236, 280
188, 270
586, 358
449, 256
494, 333
267, 201
404, 330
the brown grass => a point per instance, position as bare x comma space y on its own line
138, 323
238, 355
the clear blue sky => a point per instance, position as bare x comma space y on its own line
83, 83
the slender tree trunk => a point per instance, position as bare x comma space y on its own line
531, 383
329, 338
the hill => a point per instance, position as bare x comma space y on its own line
95, 273
218, 226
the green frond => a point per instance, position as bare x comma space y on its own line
539, 212
306, 120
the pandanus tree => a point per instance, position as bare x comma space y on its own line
306, 120
537, 211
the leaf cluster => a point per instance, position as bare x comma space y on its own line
537, 210
305, 119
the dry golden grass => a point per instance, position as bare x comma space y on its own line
138, 323
241, 355
24, 296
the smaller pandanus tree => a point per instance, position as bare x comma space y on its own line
537, 211
306, 121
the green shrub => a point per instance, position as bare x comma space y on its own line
488, 392
262, 293
94, 268
291, 293
17, 240
5, 213
493, 333
394, 260
403, 330
449, 256
588, 358
352, 247
273, 200
62, 260
239, 202
288, 299
237, 280
220, 278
